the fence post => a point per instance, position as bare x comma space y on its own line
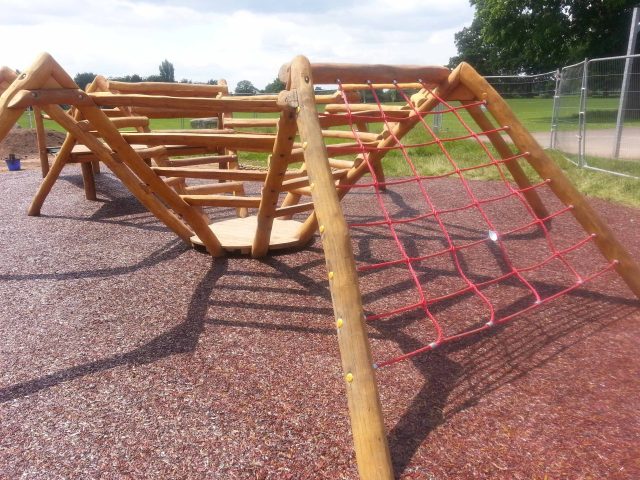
554, 114
582, 116
624, 91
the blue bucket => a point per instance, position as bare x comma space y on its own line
13, 163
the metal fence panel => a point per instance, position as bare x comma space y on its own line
597, 118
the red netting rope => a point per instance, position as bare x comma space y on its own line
426, 300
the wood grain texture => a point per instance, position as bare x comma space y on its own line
605, 239
372, 452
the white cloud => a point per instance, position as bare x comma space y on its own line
238, 40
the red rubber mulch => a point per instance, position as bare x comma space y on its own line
125, 354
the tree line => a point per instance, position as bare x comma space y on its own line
167, 74
535, 36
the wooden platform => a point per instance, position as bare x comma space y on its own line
237, 234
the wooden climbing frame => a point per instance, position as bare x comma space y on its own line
301, 189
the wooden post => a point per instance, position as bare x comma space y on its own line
519, 176
271, 190
41, 138
372, 451
604, 239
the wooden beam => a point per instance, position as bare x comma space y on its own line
60, 96
604, 238
219, 173
367, 425
221, 201
226, 187
166, 88
245, 142
206, 105
330, 73
205, 160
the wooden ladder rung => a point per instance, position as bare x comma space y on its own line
235, 141
293, 209
296, 183
221, 201
220, 173
226, 187
250, 122
205, 160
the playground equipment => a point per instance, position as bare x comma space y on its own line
304, 139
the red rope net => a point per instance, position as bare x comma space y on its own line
446, 254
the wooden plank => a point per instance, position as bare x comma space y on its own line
206, 105
237, 234
604, 238
367, 425
212, 200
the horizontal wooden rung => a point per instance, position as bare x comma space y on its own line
57, 96
219, 173
293, 209
204, 160
250, 122
349, 134
235, 141
226, 187
304, 181
210, 105
221, 201
364, 107
166, 88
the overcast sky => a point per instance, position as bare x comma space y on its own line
236, 40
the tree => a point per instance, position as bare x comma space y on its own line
245, 87
212, 82
84, 79
275, 87
532, 36
167, 71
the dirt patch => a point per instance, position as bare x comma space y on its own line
23, 144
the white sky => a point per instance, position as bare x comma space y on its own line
236, 40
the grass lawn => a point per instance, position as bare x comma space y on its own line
535, 114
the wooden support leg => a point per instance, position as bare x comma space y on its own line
47, 185
89, 181
370, 441
604, 238
514, 168
41, 138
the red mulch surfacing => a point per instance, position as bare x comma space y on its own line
125, 354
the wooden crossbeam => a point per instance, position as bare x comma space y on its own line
221, 201
210, 105
235, 141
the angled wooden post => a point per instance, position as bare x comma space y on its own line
369, 437
604, 238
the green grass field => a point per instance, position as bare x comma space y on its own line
535, 114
